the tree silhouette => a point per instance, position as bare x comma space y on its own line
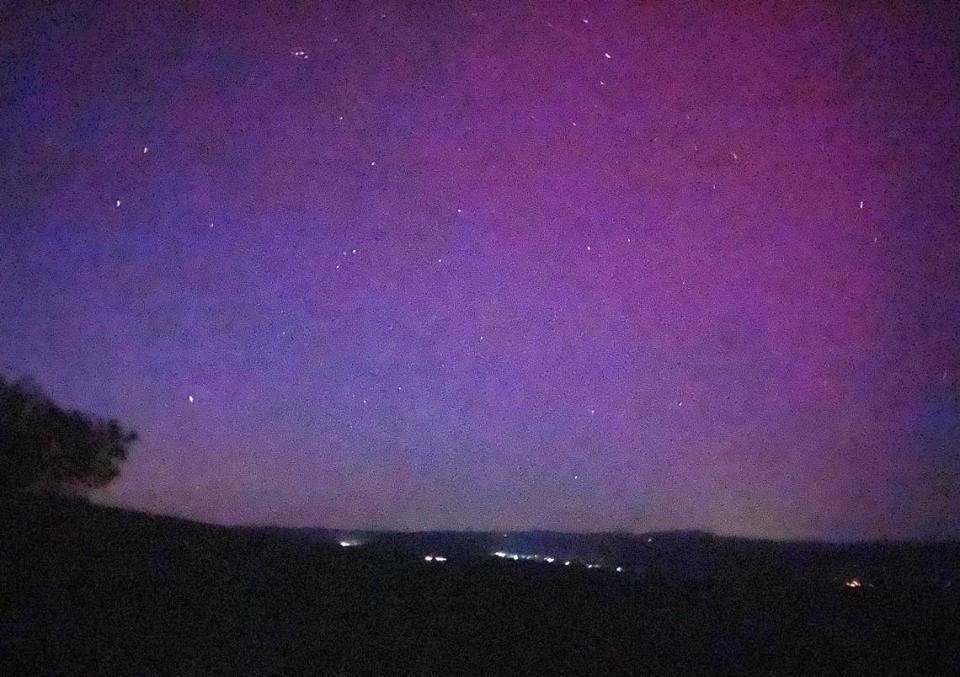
44, 447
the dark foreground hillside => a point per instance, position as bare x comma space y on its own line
87, 590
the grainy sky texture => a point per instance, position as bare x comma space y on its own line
504, 265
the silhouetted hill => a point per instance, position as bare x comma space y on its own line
92, 590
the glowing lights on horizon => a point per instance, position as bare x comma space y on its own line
853, 583
348, 544
516, 557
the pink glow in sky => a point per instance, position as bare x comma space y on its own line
497, 266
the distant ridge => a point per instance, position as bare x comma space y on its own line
91, 589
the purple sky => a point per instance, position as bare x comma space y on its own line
496, 265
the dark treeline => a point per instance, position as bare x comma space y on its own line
90, 590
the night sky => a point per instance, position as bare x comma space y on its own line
421, 265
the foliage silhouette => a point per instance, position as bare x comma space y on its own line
44, 447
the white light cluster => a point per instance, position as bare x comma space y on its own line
502, 554
515, 556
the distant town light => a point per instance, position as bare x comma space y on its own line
348, 544
619, 570
429, 558
853, 583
